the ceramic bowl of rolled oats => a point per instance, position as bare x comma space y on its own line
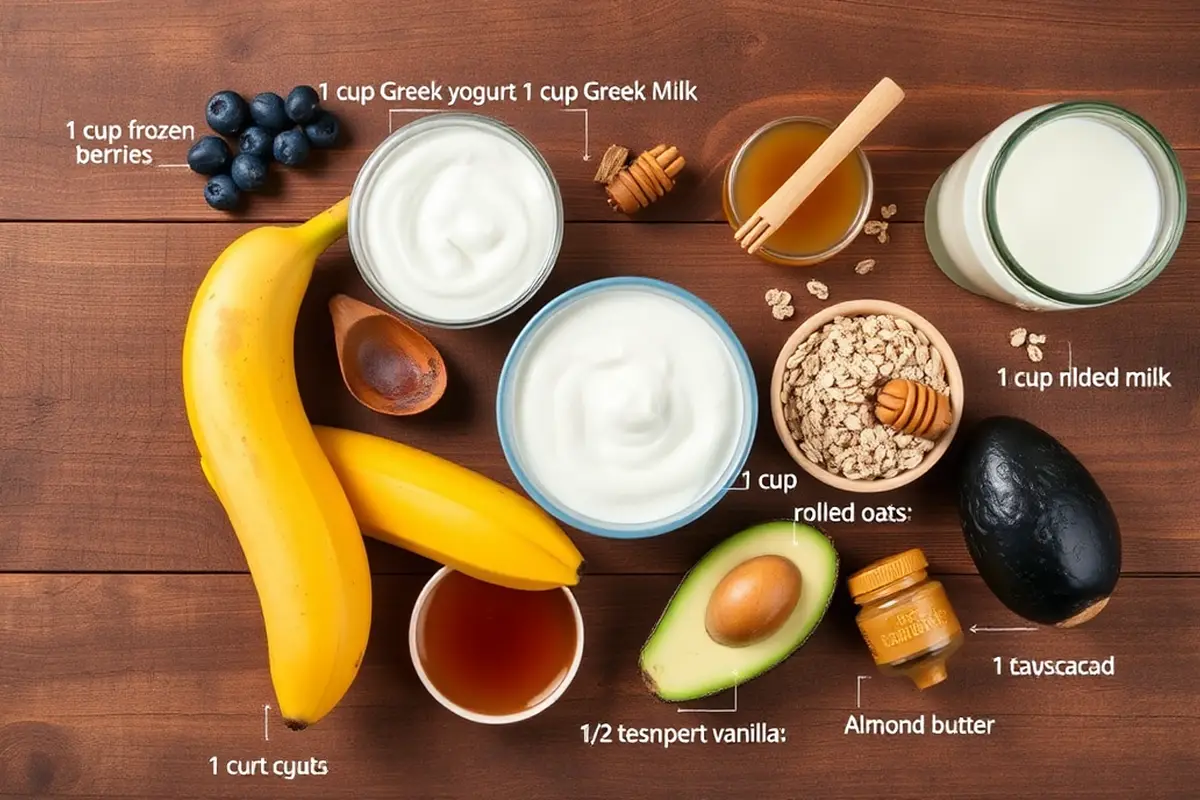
826, 382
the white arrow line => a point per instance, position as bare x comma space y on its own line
267, 723
858, 689
587, 146
980, 629
171, 166
411, 111
713, 710
745, 488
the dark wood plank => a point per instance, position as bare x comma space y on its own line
967, 65
125, 686
99, 472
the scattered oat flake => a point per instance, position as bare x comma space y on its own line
888, 211
864, 266
874, 226
772, 297
782, 311
1037, 338
1035, 353
817, 290
883, 236
1016, 337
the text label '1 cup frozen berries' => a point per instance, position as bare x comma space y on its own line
291, 148
209, 156
226, 113
248, 172
302, 104
267, 110
323, 131
221, 193
256, 141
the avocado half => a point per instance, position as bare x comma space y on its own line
1041, 532
680, 661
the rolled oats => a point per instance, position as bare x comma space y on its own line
782, 311
817, 290
1017, 337
888, 211
1037, 338
1035, 353
864, 266
874, 227
829, 394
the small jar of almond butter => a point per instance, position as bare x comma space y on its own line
906, 618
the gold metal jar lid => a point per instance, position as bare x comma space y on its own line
888, 570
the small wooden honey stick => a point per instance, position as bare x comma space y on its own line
636, 185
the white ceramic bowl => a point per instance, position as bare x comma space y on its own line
504, 719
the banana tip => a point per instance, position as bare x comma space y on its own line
295, 724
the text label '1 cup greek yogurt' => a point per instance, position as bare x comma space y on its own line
1062, 206
455, 220
627, 407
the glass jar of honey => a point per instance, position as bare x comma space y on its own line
828, 220
906, 618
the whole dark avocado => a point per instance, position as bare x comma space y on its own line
1039, 528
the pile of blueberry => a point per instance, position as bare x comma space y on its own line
267, 128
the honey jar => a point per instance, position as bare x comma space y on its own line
906, 618
828, 220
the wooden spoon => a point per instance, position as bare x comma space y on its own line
387, 365
865, 117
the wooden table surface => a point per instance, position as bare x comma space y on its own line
131, 643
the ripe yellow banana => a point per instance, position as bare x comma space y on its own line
448, 513
258, 451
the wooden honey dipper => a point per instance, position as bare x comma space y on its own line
913, 408
636, 185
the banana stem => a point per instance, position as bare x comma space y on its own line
327, 227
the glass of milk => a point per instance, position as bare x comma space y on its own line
1063, 206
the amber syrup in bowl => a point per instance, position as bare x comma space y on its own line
492, 654
828, 220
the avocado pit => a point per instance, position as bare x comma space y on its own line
752, 601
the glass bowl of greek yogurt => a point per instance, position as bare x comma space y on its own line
627, 407
455, 220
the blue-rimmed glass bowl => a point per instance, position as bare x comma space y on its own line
506, 410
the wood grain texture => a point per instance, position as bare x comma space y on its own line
125, 686
93, 437
967, 64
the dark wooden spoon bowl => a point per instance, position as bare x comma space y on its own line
387, 365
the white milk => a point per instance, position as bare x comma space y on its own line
1086, 208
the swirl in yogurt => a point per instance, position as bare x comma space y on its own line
459, 221
628, 407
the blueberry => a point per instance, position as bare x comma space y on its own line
209, 155
248, 172
291, 148
256, 141
226, 112
322, 131
267, 110
221, 193
302, 104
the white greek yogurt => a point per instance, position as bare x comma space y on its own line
627, 405
455, 220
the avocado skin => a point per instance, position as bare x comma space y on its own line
1040, 530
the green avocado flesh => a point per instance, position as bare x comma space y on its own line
681, 661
